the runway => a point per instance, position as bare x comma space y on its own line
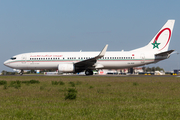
99, 75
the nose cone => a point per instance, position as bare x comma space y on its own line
6, 63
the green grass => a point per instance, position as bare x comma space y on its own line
3, 82
97, 97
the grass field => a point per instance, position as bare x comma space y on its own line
97, 97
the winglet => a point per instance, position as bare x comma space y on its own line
102, 53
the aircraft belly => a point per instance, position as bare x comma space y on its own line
120, 64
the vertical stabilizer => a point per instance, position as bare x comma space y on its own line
161, 41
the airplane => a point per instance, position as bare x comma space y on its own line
75, 62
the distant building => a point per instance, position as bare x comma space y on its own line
138, 69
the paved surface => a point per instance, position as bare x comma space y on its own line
101, 75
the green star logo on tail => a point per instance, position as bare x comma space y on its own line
155, 44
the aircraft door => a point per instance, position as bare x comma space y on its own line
24, 58
142, 57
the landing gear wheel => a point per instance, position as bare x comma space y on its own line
89, 72
21, 73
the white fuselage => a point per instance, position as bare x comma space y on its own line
51, 60
154, 51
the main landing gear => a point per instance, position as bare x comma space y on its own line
89, 72
21, 73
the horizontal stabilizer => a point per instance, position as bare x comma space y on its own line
164, 53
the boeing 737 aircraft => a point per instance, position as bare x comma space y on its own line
74, 62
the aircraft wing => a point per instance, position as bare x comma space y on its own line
90, 62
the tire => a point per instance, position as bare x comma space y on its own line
89, 72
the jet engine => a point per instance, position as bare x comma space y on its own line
66, 68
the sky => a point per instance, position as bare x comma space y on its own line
87, 25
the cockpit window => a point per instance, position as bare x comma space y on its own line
13, 58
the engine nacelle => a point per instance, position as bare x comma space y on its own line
66, 68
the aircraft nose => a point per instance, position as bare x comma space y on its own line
6, 63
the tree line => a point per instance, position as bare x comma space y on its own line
152, 69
